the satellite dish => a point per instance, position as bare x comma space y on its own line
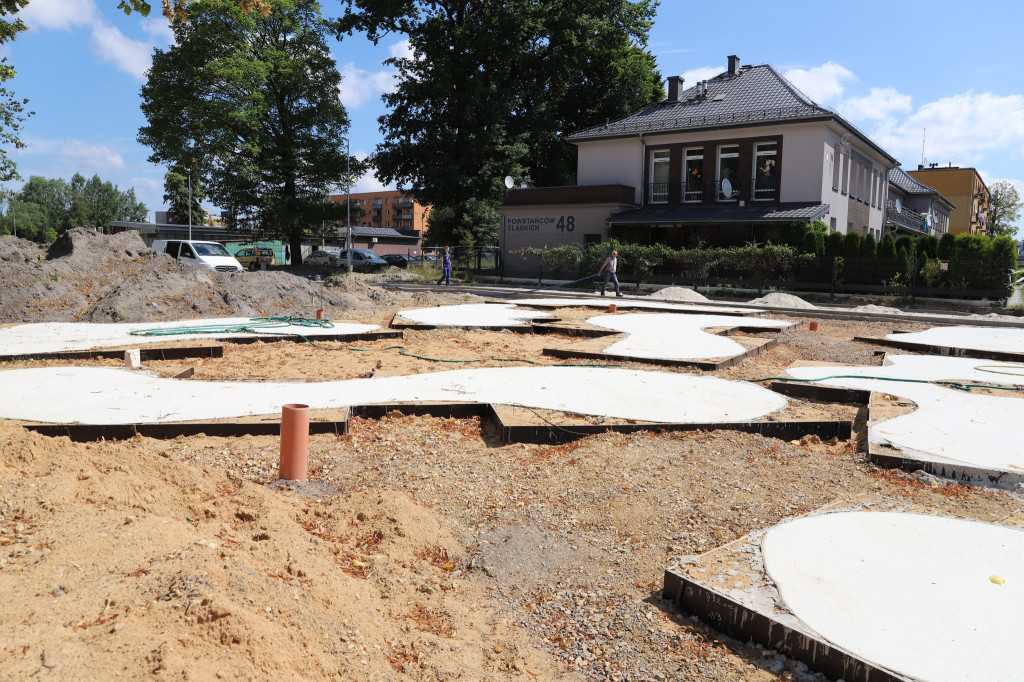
899, 206
727, 188
509, 181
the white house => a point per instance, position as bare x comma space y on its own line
716, 163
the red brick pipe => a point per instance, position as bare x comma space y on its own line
294, 442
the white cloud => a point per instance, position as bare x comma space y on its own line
823, 83
358, 86
90, 157
402, 50
61, 15
159, 31
134, 57
880, 103
701, 73
960, 129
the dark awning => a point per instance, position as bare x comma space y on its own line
720, 213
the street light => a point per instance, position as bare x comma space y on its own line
348, 203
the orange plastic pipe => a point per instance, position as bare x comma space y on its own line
813, 326
294, 442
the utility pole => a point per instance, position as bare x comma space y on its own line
190, 205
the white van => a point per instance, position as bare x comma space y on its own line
210, 255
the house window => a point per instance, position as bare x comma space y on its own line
846, 173
728, 172
766, 170
693, 178
659, 177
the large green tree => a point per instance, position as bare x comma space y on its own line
179, 190
1006, 206
253, 100
493, 87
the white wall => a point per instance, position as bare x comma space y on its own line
611, 162
543, 226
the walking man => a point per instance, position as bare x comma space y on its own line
608, 269
446, 267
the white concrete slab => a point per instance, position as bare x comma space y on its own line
46, 337
908, 592
477, 315
666, 336
949, 426
632, 303
973, 338
95, 395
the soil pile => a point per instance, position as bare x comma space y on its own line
684, 294
779, 300
140, 565
872, 308
89, 277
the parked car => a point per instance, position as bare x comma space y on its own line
324, 257
363, 259
399, 260
209, 255
252, 257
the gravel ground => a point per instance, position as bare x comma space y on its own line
560, 549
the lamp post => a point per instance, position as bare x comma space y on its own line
190, 205
348, 204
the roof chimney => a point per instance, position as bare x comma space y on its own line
734, 65
675, 88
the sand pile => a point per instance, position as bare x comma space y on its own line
780, 300
90, 277
872, 308
130, 564
684, 294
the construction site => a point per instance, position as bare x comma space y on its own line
495, 483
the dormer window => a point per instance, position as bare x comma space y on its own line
728, 172
766, 170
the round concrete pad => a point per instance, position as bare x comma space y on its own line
667, 336
908, 592
96, 395
46, 337
973, 338
471, 315
645, 303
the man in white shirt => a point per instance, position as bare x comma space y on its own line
608, 269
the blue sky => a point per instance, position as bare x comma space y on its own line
893, 69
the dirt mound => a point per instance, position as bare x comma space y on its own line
872, 308
684, 294
87, 276
779, 300
156, 567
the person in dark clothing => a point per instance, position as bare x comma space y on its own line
446, 267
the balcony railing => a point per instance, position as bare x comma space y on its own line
764, 187
693, 189
912, 220
720, 194
657, 193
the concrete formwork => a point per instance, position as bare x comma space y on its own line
867, 595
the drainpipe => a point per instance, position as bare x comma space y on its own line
643, 171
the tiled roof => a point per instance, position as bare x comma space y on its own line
906, 182
720, 213
757, 94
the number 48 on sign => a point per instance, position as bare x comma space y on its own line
566, 223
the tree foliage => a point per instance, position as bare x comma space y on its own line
492, 88
469, 223
251, 102
179, 188
1006, 206
45, 208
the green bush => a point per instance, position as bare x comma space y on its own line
869, 247
927, 247
834, 245
946, 246
887, 247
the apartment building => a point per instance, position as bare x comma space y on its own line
388, 209
964, 188
914, 208
716, 163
